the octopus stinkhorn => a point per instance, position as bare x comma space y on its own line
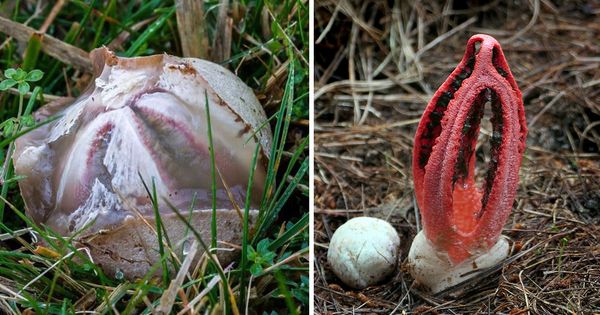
462, 223
144, 119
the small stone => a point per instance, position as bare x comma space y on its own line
363, 251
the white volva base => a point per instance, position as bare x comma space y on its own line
433, 268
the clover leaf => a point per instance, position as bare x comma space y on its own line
261, 257
20, 78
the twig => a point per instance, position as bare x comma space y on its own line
56, 48
534, 17
445, 36
541, 112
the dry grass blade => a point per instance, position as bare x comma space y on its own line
168, 297
86, 300
53, 13
47, 97
14, 295
198, 298
192, 28
447, 35
222, 43
534, 17
56, 48
117, 43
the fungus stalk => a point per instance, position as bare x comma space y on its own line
462, 221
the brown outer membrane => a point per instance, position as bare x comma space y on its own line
132, 248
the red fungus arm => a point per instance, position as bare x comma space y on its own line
458, 217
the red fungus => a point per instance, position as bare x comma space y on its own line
460, 218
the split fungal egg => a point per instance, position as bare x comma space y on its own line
144, 121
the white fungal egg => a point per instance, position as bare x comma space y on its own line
363, 251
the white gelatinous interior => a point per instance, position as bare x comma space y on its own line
144, 117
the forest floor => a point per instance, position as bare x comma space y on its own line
378, 65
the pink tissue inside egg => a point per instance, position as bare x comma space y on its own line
143, 117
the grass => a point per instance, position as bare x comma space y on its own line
44, 273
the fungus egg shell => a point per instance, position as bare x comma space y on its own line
144, 121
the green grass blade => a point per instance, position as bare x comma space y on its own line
290, 233
154, 27
276, 208
12, 138
37, 91
285, 292
213, 176
206, 249
279, 137
292, 163
100, 23
245, 237
32, 52
159, 226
